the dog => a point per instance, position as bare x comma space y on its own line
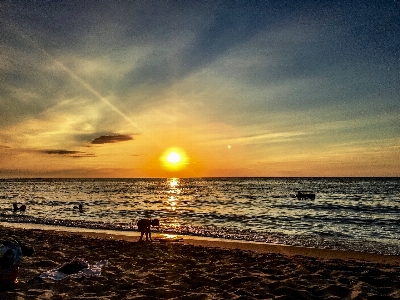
144, 227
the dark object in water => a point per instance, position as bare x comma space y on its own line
302, 195
16, 208
80, 207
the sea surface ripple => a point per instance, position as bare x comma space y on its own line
359, 214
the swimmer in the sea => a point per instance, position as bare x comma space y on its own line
16, 208
80, 207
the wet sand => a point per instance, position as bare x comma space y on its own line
195, 268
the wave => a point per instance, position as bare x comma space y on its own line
328, 240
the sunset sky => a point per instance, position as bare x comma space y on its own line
230, 88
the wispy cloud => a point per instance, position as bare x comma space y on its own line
69, 153
264, 138
109, 139
271, 76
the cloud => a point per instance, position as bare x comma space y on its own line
109, 139
276, 76
207, 33
69, 153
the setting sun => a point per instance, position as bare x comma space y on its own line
174, 159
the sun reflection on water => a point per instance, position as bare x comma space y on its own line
173, 182
172, 201
169, 236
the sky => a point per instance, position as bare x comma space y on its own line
199, 88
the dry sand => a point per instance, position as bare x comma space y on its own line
199, 269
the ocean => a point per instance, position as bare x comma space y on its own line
361, 214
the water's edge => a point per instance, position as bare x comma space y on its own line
22, 221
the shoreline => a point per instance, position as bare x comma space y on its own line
387, 247
261, 247
176, 267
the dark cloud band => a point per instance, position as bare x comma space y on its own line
69, 153
108, 139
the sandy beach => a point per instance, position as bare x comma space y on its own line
191, 268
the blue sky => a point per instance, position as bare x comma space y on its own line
242, 88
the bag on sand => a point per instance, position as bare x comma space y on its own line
10, 257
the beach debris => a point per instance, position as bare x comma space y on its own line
76, 268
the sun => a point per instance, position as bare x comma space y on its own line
174, 159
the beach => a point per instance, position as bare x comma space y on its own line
190, 268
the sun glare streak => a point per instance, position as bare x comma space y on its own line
95, 93
74, 76
91, 90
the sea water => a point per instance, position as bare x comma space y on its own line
348, 213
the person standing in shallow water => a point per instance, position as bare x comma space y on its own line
144, 227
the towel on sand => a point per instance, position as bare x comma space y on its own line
76, 268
